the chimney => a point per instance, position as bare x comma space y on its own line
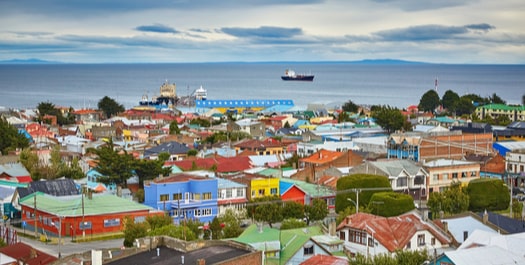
332, 227
485, 217
445, 226
201, 262
465, 235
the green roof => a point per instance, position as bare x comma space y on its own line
291, 240
72, 205
502, 107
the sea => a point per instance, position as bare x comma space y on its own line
24, 86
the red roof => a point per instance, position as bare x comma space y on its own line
324, 260
231, 201
223, 164
31, 256
322, 156
393, 232
24, 179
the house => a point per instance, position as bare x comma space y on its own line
15, 172
515, 166
289, 246
494, 111
503, 224
442, 172
231, 195
484, 247
79, 215
58, 187
424, 147
7, 210
491, 166
93, 183
463, 225
514, 131
257, 185
183, 196
304, 192
371, 235
252, 127
405, 176
177, 151
319, 259
21, 253
261, 147
473, 127
84, 116
313, 165
220, 165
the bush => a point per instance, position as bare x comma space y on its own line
345, 184
391, 204
488, 194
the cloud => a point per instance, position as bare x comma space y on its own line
430, 32
157, 28
418, 5
263, 32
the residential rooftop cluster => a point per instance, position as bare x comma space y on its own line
295, 155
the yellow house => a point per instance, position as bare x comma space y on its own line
257, 185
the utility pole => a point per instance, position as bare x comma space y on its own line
34, 213
83, 226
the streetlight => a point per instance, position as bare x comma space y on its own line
355, 204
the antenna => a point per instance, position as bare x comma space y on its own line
436, 84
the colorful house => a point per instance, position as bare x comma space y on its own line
183, 196
304, 192
257, 185
79, 215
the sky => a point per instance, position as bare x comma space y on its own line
178, 31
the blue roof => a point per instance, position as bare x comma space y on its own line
243, 103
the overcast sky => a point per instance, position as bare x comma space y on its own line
121, 31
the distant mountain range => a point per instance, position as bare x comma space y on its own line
366, 61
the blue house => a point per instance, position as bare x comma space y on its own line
183, 196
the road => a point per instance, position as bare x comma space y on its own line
68, 248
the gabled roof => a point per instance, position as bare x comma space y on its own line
322, 157
324, 260
27, 254
396, 166
312, 190
169, 147
57, 187
223, 164
393, 232
14, 170
485, 255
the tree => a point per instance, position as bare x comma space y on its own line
216, 228
429, 101
133, 231
464, 106
496, 99
405, 257
110, 107
450, 100
232, 223
391, 203
315, 212
488, 194
31, 163
350, 106
157, 221
149, 169
192, 152
346, 187
48, 108
10, 138
390, 119
291, 223
73, 171
266, 209
292, 209
453, 200
115, 167
174, 128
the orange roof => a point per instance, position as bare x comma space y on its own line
322, 156
85, 111
393, 232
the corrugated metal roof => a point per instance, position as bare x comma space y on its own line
72, 205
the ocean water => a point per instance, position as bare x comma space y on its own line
398, 85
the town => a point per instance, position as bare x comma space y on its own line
434, 183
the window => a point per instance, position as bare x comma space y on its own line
261, 192
435, 177
342, 235
308, 249
140, 219
206, 196
401, 182
433, 241
273, 191
228, 193
455, 175
408, 245
420, 240
111, 222
164, 197
177, 196
240, 192
371, 242
196, 196
445, 176
85, 225
463, 175
357, 236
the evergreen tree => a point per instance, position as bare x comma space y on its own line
390, 119
315, 212
450, 100
429, 101
110, 107
10, 138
